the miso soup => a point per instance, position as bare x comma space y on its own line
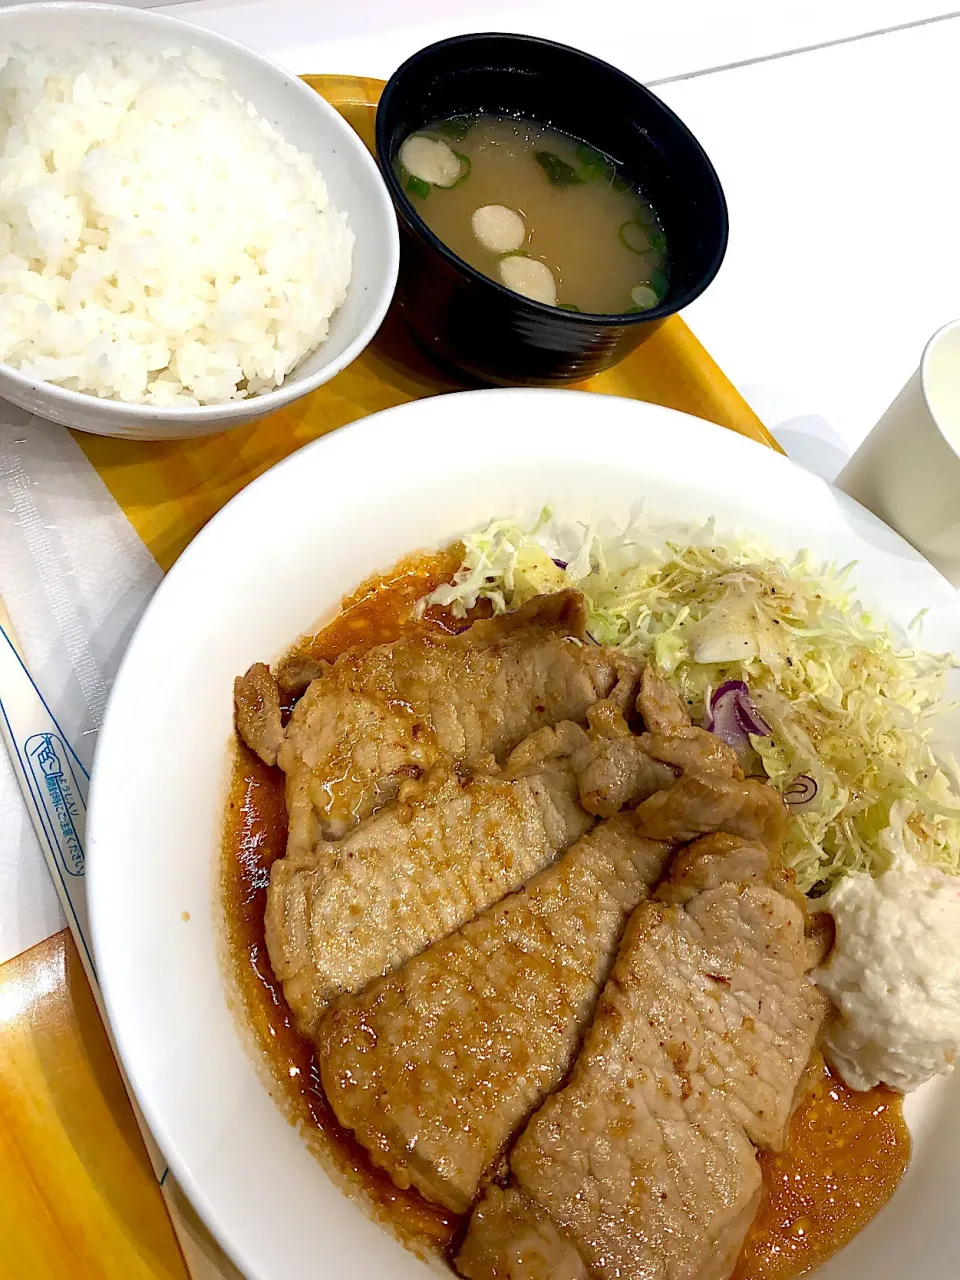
538, 211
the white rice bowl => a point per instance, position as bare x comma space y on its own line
160, 243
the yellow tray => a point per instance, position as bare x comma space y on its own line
77, 1197
169, 490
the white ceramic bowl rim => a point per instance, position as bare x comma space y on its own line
279, 396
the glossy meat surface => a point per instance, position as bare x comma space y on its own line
700, 803
644, 1163
619, 768
343, 912
661, 708
372, 719
436, 1066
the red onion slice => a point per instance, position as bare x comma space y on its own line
561, 564
733, 716
801, 790
726, 724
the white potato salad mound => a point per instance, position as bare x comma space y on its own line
820, 698
160, 243
894, 976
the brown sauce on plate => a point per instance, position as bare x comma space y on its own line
845, 1154
382, 608
845, 1151
254, 836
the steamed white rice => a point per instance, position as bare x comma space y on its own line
160, 243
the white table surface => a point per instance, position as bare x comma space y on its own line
371, 37
837, 152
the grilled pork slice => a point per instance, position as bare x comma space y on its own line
256, 708
662, 710
372, 719
509, 1238
618, 768
644, 1164
343, 912
703, 802
437, 1065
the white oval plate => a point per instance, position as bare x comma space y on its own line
278, 557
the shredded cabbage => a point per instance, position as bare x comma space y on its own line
847, 705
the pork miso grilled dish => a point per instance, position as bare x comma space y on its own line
523, 913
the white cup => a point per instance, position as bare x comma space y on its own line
907, 471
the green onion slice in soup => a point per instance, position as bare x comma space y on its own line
634, 237
417, 187
593, 165
465, 166
457, 127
